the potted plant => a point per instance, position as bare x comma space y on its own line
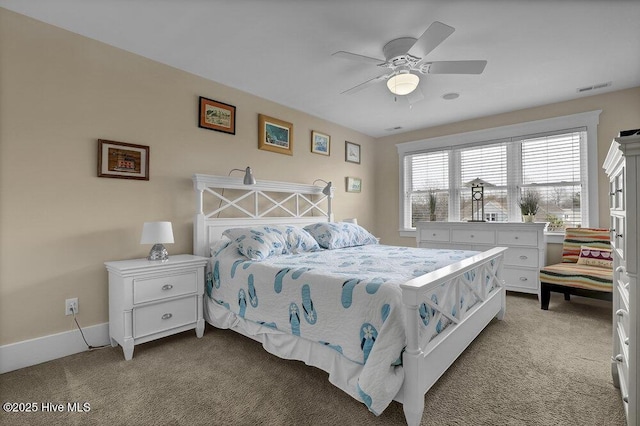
433, 201
529, 203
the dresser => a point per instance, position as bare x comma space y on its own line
622, 165
525, 242
152, 299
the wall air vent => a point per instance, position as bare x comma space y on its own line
393, 129
594, 87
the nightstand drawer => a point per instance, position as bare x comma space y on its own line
516, 256
165, 286
518, 238
164, 316
475, 236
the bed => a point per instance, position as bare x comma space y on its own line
384, 322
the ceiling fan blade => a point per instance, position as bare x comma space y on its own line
366, 84
457, 67
359, 58
430, 39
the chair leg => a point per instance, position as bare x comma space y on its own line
545, 295
567, 295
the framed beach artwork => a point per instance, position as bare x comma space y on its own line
275, 135
320, 143
217, 116
351, 152
354, 184
123, 160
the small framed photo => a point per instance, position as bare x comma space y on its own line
275, 135
351, 152
123, 160
354, 184
320, 143
217, 116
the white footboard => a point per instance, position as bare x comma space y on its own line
424, 362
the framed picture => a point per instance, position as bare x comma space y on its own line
275, 135
123, 160
351, 152
217, 116
354, 184
320, 143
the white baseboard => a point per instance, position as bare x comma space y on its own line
42, 349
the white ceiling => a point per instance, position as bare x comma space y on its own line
538, 52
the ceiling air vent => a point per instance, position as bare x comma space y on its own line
392, 129
594, 87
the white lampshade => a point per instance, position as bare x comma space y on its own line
403, 83
157, 233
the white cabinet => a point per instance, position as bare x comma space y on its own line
623, 168
525, 242
151, 299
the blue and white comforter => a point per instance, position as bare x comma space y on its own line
348, 299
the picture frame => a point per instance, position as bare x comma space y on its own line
122, 160
217, 116
353, 184
275, 135
320, 143
351, 152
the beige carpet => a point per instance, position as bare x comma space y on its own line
534, 368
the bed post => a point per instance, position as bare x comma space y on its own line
198, 223
413, 405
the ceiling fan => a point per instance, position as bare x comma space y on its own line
405, 58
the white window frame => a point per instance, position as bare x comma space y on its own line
588, 120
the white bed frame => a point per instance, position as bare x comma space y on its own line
423, 363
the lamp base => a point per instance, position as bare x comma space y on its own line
158, 253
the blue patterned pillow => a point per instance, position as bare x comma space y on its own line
340, 234
261, 242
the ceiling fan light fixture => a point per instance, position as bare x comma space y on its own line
403, 83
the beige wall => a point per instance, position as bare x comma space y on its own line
59, 223
620, 111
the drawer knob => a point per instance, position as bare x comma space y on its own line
472, 235
619, 357
517, 238
618, 235
626, 341
626, 399
167, 287
167, 316
434, 234
523, 279
621, 312
523, 257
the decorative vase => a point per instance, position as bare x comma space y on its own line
528, 218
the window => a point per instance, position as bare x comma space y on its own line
543, 157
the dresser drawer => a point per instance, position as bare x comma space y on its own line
440, 235
164, 316
163, 287
523, 278
518, 238
473, 236
622, 318
517, 256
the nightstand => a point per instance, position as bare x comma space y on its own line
151, 299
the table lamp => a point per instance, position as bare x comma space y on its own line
157, 233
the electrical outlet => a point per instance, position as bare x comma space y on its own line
70, 304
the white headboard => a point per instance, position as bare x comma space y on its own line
297, 205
